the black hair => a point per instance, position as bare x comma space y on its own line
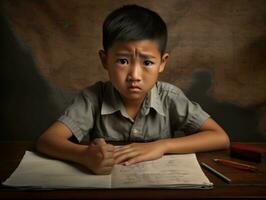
132, 22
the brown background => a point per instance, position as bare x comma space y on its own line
49, 51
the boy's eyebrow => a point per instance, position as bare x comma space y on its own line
145, 55
124, 54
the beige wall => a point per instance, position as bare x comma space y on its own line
215, 44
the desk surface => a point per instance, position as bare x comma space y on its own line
244, 184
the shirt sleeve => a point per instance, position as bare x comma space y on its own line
78, 117
186, 115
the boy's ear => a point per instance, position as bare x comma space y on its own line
103, 58
163, 62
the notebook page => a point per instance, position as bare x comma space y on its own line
36, 171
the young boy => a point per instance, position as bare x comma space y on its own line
133, 106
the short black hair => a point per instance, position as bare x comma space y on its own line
132, 22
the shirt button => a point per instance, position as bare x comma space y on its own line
135, 131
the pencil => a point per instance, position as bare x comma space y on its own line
236, 164
226, 179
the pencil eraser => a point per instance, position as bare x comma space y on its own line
249, 152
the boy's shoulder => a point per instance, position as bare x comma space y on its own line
169, 94
95, 92
165, 88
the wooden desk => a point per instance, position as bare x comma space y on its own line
244, 184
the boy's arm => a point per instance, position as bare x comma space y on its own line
97, 156
210, 137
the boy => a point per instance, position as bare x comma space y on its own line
133, 106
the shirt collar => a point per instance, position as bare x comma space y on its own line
153, 100
111, 100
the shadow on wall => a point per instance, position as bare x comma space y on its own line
240, 123
29, 104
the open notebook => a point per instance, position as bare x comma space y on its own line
170, 171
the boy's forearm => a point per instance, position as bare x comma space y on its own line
62, 149
201, 141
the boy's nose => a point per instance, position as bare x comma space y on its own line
134, 73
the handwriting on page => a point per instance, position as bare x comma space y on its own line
150, 173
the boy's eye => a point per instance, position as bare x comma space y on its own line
122, 61
148, 63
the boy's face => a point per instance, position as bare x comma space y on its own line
133, 67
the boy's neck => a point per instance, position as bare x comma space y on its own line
132, 107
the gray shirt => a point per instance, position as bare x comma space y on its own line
99, 112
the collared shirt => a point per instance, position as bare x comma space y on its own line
98, 111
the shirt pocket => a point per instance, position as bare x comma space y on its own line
156, 131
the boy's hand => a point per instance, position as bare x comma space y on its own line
100, 157
138, 152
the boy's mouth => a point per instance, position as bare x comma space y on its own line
134, 88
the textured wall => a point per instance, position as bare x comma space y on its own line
217, 50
